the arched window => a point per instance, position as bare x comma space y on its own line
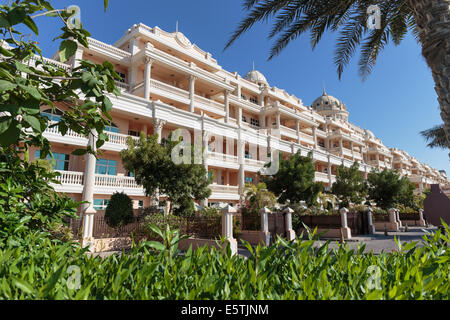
52, 115
112, 128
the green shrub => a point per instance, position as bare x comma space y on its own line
295, 270
119, 211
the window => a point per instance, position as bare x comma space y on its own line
243, 97
60, 161
130, 174
248, 180
133, 133
244, 119
112, 128
100, 204
254, 122
122, 76
105, 166
140, 204
247, 155
52, 115
253, 100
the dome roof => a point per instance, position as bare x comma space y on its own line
369, 134
327, 102
256, 77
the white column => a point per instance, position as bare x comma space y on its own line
344, 226
278, 119
353, 152
265, 234
192, 92
393, 220
147, 77
297, 129
87, 209
76, 58
341, 147
421, 219
290, 234
241, 159
227, 228
370, 221
239, 116
158, 125
227, 106
205, 138
314, 137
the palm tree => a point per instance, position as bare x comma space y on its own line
435, 137
257, 196
426, 19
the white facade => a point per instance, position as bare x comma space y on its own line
170, 83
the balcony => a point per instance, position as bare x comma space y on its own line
117, 141
321, 177
223, 160
72, 182
224, 192
292, 133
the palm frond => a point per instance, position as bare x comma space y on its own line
262, 9
435, 137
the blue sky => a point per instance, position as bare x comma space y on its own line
396, 102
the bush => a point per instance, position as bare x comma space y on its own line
298, 270
119, 211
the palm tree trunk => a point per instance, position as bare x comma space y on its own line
433, 21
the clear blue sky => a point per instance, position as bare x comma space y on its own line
396, 102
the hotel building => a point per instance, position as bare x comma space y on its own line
169, 83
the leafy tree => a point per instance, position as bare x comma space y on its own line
29, 206
28, 81
153, 168
119, 210
294, 181
387, 189
427, 20
257, 197
350, 186
405, 196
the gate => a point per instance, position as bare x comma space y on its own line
276, 225
358, 222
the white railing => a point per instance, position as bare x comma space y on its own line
222, 157
119, 138
55, 130
218, 188
209, 102
107, 47
103, 180
122, 85
253, 162
70, 177
321, 176
166, 87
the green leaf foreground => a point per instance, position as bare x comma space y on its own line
285, 270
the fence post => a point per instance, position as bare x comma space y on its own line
88, 229
393, 220
290, 233
265, 234
421, 219
344, 225
227, 228
370, 222
397, 211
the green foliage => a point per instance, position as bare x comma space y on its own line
350, 186
285, 270
28, 204
292, 19
119, 210
154, 169
388, 189
24, 88
294, 181
257, 197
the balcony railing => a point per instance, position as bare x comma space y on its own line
103, 180
70, 177
222, 157
218, 188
